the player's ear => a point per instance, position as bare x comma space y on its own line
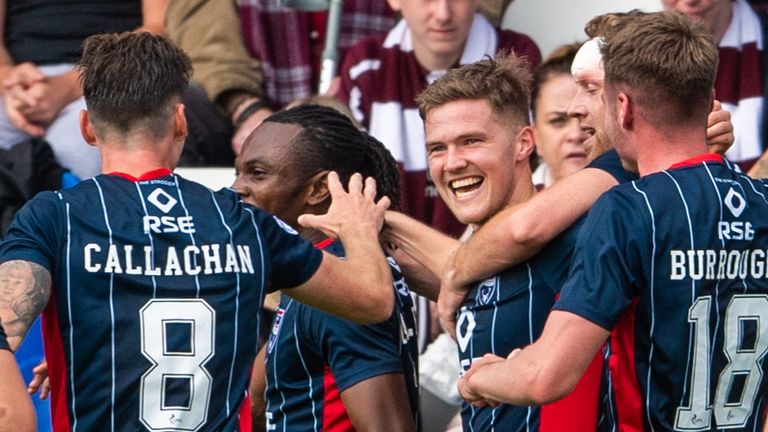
179, 123
525, 144
318, 188
86, 128
626, 107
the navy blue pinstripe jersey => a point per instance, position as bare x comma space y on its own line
313, 356
507, 312
157, 288
675, 263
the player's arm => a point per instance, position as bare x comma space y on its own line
16, 411
256, 389
517, 233
543, 372
429, 248
358, 287
24, 291
379, 404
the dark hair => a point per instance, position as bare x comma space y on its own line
330, 141
558, 63
132, 80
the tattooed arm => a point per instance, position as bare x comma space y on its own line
24, 291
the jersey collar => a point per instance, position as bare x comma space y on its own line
149, 175
708, 157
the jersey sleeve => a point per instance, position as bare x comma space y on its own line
353, 352
601, 283
611, 163
294, 260
35, 232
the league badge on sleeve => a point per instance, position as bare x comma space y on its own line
275, 329
287, 228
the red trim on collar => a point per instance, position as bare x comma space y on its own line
323, 243
149, 175
708, 157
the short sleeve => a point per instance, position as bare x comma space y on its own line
353, 352
35, 232
602, 281
293, 259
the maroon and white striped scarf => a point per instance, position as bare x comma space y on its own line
289, 51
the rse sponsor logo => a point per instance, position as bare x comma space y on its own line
735, 231
169, 224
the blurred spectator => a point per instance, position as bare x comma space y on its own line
559, 138
41, 93
739, 83
382, 74
258, 56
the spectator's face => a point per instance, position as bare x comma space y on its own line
559, 138
266, 172
472, 156
440, 27
697, 9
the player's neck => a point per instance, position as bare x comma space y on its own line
136, 154
135, 162
664, 151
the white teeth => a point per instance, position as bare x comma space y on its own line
469, 181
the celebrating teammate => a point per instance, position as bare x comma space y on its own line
152, 285
519, 232
478, 145
673, 263
323, 372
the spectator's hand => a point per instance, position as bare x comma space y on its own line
49, 97
246, 127
15, 98
719, 129
465, 388
24, 75
40, 381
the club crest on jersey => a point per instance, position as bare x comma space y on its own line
160, 199
275, 329
287, 228
486, 291
735, 202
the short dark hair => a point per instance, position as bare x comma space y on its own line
329, 141
132, 80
